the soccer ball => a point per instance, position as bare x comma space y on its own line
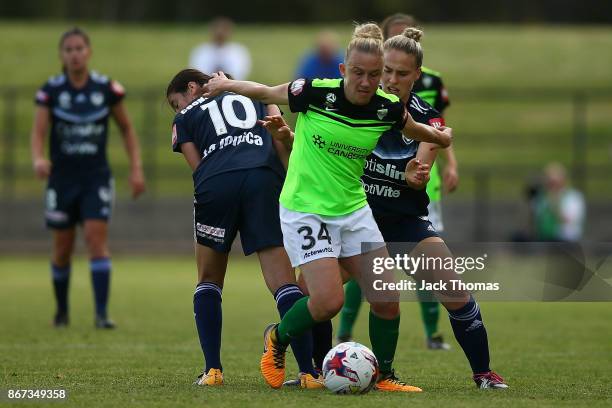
350, 368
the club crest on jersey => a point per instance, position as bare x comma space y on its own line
80, 98
297, 86
96, 98
64, 100
427, 81
381, 113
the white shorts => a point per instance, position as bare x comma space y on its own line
308, 237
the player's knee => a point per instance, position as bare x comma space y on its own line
328, 307
386, 310
96, 244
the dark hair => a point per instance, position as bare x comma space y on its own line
74, 31
179, 83
397, 18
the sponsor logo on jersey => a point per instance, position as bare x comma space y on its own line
318, 141
381, 113
42, 96
436, 122
96, 98
117, 88
380, 190
64, 100
385, 169
297, 86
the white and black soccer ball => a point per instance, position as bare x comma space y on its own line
350, 368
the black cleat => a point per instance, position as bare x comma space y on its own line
61, 320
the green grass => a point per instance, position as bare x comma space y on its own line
497, 76
551, 354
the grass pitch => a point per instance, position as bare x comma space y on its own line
550, 354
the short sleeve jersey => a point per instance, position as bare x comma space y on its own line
225, 131
384, 180
79, 123
432, 90
333, 137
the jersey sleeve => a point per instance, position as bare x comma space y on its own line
300, 93
43, 96
434, 118
116, 92
180, 134
399, 115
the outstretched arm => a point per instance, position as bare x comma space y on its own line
282, 136
425, 133
267, 94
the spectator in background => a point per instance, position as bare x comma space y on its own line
559, 210
220, 54
323, 61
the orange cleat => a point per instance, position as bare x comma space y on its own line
273, 359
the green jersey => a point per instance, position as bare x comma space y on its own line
333, 137
431, 88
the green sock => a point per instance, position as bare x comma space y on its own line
430, 313
350, 310
383, 336
296, 321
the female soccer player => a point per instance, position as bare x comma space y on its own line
325, 217
431, 89
76, 105
237, 178
402, 215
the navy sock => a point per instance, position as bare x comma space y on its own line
100, 278
208, 318
471, 335
285, 297
61, 282
322, 333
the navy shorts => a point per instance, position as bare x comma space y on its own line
405, 228
245, 201
69, 202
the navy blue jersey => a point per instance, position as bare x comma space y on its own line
79, 123
227, 135
384, 180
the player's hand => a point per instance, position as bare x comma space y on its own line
417, 174
137, 182
215, 84
278, 128
450, 178
446, 134
42, 168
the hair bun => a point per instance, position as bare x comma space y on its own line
368, 30
413, 33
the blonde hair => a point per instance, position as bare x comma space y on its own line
408, 42
366, 38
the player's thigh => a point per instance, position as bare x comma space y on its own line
211, 264
276, 267
259, 222
62, 203
324, 282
